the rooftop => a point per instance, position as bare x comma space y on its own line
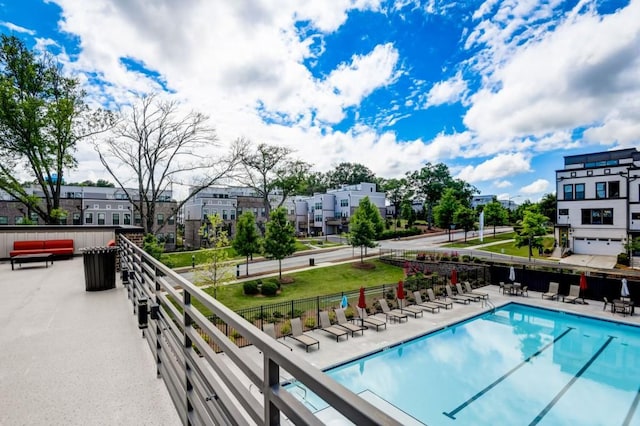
75, 357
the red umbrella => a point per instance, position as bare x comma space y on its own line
583, 282
362, 304
454, 277
400, 290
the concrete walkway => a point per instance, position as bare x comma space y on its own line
71, 357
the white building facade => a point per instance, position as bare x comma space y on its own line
598, 207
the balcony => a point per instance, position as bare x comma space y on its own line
337, 220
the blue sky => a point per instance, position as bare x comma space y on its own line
499, 91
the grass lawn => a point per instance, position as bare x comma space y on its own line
511, 249
488, 238
313, 282
183, 258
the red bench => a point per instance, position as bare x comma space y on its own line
55, 247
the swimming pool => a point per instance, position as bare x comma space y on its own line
518, 366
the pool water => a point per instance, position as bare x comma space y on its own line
517, 366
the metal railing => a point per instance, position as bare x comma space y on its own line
211, 387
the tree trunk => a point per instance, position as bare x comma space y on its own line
247, 267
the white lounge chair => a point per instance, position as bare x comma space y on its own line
552, 293
298, 335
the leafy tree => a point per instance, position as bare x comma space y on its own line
429, 183
362, 231
518, 214
349, 174
495, 215
279, 239
372, 213
407, 212
463, 191
152, 246
465, 218
270, 169
104, 184
548, 205
314, 182
43, 116
397, 191
156, 145
446, 208
533, 228
215, 271
247, 240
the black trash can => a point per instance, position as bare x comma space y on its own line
312, 261
99, 268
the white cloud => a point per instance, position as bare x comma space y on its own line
497, 167
17, 28
502, 184
447, 92
536, 187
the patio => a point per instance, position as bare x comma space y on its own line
73, 357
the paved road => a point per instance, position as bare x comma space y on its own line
324, 256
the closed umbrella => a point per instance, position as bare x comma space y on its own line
400, 290
344, 302
512, 274
625, 290
362, 304
583, 285
454, 277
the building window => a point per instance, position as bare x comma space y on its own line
115, 219
579, 191
137, 219
344, 203
4, 220
160, 237
88, 218
160, 218
601, 190
101, 218
568, 192
19, 220
614, 189
171, 220
263, 212
563, 212
77, 219
317, 218
233, 215
635, 216
127, 219
317, 206
224, 215
170, 238
597, 216
239, 212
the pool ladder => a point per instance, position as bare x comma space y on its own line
304, 396
487, 302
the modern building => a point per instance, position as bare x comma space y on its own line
598, 202
92, 205
329, 213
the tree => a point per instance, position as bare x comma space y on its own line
155, 145
495, 215
279, 239
314, 182
533, 228
429, 183
368, 209
362, 231
247, 240
215, 271
407, 212
270, 168
465, 218
446, 208
397, 191
350, 174
548, 205
43, 116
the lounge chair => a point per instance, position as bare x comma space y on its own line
469, 290
471, 296
456, 297
552, 293
341, 319
574, 294
325, 325
298, 335
442, 303
270, 330
370, 321
411, 309
425, 305
523, 290
395, 314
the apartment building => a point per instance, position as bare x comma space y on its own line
598, 202
91, 206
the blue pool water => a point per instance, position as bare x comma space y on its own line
517, 366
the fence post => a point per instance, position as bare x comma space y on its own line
261, 317
317, 310
291, 316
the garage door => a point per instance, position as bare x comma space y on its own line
597, 246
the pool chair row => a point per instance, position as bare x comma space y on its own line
466, 295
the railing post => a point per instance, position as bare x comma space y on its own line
271, 379
187, 345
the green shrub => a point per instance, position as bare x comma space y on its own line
444, 258
286, 328
349, 313
623, 259
269, 288
466, 258
297, 313
310, 322
277, 314
250, 288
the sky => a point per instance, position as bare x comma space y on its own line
499, 91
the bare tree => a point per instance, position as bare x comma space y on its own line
271, 172
158, 145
